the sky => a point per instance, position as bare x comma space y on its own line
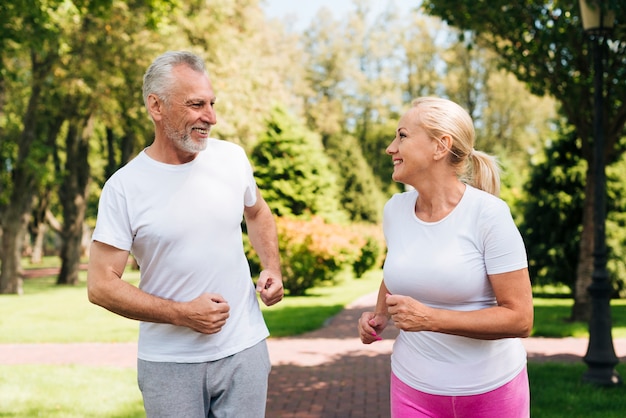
300, 12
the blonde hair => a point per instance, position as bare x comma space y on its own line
440, 117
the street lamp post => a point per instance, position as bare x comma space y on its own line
600, 358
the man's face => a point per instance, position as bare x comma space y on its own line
189, 115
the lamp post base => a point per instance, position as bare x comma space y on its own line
602, 376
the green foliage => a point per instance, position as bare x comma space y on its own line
293, 171
616, 224
370, 256
361, 194
313, 252
553, 213
374, 141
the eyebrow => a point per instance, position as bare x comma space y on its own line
199, 100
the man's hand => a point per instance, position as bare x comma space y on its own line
206, 314
270, 287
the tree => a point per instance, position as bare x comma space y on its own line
43, 38
294, 172
543, 44
251, 64
553, 212
360, 193
33, 29
327, 73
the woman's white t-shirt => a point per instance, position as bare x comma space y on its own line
183, 225
445, 264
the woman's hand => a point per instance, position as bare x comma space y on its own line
371, 325
408, 314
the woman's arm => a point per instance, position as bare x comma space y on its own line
512, 317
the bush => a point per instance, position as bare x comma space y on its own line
313, 251
371, 253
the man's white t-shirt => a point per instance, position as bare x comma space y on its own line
183, 225
445, 264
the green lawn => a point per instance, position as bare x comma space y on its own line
69, 392
557, 391
552, 319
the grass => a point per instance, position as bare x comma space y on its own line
557, 391
50, 313
552, 319
69, 392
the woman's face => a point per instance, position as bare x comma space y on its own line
411, 150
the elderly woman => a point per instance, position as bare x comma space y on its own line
456, 281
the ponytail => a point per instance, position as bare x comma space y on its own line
484, 172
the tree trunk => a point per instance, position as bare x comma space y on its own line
24, 179
14, 226
72, 194
36, 256
581, 311
38, 227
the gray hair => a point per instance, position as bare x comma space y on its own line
158, 78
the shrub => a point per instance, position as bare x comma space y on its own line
313, 251
371, 253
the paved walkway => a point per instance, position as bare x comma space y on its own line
327, 373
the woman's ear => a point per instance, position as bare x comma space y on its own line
444, 146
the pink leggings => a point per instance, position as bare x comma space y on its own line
509, 401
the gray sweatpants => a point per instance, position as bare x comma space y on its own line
234, 386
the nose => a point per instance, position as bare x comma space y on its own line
210, 116
391, 148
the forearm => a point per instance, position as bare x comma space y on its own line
264, 239
485, 324
106, 288
127, 300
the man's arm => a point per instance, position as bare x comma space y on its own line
264, 239
206, 314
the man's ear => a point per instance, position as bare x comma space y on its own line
155, 107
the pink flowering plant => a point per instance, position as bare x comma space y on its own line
314, 251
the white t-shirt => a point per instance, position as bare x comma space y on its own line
445, 264
183, 225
